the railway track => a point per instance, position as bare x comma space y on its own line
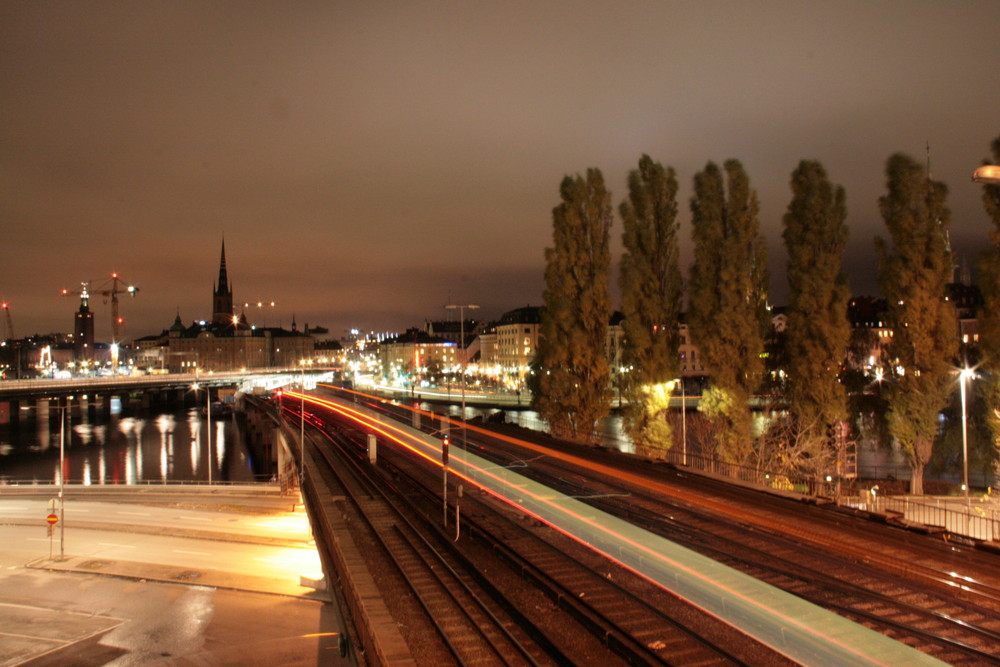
637, 622
919, 603
907, 586
452, 617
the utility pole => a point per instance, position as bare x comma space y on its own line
461, 314
302, 424
62, 481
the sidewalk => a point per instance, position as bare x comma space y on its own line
153, 578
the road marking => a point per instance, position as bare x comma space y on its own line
12, 508
196, 518
123, 546
133, 513
193, 553
74, 509
37, 539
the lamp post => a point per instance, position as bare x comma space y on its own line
260, 309
302, 422
965, 374
988, 174
461, 315
684, 430
62, 481
208, 428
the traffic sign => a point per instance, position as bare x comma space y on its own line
52, 518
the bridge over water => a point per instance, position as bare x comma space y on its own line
97, 392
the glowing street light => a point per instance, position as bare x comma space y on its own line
988, 174
965, 374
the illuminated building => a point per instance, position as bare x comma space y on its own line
227, 342
417, 354
83, 330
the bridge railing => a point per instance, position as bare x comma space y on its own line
976, 518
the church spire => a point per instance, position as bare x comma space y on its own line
222, 296
223, 278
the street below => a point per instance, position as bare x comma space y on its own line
214, 576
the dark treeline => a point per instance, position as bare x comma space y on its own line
806, 369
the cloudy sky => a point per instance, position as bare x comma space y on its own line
370, 162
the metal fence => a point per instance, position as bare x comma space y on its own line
977, 518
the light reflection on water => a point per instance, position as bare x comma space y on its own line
122, 450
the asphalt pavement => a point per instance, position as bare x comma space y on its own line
162, 576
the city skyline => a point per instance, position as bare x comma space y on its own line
369, 165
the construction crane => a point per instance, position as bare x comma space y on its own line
110, 290
116, 320
10, 340
8, 324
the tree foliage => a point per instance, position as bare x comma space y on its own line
727, 294
571, 387
795, 448
818, 330
915, 266
651, 288
989, 314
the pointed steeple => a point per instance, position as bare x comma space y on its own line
222, 294
223, 285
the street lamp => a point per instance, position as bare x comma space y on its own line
260, 309
988, 174
302, 422
461, 316
965, 374
63, 410
208, 431
684, 430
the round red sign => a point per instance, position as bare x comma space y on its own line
52, 518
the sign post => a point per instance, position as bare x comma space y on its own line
51, 520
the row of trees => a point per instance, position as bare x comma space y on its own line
728, 313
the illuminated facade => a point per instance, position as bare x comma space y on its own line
227, 342
517, 334
417, 354
210, 347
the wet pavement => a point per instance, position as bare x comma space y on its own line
162, 577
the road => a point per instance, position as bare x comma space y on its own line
155, 579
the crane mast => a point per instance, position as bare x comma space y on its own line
8, 323
111, 290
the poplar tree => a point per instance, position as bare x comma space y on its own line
989, 314
818, 330
650, 281
727, 295
915, 266
571, 387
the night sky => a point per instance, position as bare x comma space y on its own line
370, 162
